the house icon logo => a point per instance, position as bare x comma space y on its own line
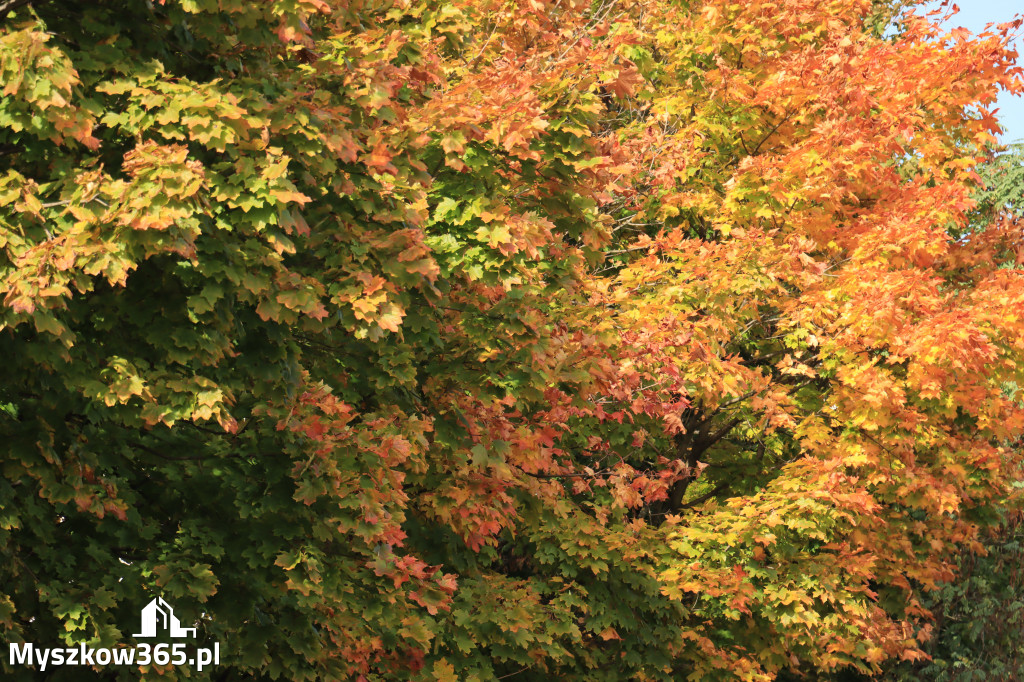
158, 615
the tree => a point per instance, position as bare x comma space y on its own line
977, 634
477, 340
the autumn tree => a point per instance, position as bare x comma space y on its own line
979, 613
504, 339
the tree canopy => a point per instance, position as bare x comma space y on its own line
502, 339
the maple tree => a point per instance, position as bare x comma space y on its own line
978, 613
474, 340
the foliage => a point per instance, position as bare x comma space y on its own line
470, 340
980, 617
1003, 182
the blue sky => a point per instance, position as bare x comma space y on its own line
974, 14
